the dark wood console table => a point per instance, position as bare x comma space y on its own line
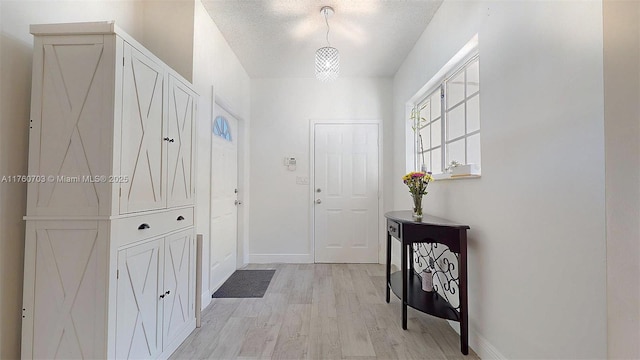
406, 283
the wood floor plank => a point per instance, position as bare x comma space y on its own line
324, 339
320, 311
261, 338
273, 310
249, 307
301, 290
203, 341
341, 278
293, 339
228, 345
282, 281
259, 342
354, 337
364, 287
380, 283
375, 270
323, 295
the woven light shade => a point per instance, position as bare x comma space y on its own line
328, 57
327, 63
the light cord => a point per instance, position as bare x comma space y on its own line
326, 20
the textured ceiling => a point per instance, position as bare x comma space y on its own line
278, 38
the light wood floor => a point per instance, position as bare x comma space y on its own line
319, 311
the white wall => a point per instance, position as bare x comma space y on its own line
15, 84
218, 72
167, 30
622, 150
281, 110
537, 216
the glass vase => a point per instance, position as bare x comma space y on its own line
417, 206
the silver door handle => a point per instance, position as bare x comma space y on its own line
318, 201
237, 202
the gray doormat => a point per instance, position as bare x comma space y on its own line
245, 284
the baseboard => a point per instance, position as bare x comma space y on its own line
479, 344
281, 258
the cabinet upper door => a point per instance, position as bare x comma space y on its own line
179, 274
181, 145
70, 128
139, 305
142, 133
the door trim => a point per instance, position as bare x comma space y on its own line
312, 150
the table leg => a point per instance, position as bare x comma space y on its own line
388, 267
464, 308
404, 285
410, 260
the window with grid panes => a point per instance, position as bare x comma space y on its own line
448, 120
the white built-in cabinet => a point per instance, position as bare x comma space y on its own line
110, 245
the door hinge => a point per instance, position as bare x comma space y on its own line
117, 274
123, 61
120, 193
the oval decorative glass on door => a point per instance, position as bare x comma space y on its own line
221, 128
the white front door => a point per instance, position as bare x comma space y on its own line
346, 193
224, 185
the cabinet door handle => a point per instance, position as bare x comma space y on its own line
172, 140
166, 139
168, 292
144, 226
180, 218
162, 296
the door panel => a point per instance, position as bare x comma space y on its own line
142, 134
73, 117
224, 182
346, 174
178, 301
69, 297
180, 149
139, 314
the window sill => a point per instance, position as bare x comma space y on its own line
438, 177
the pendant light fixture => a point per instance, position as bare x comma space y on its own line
328, 57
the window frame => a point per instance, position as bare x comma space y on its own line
451, 70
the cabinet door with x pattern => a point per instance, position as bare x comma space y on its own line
143, 139
180, 147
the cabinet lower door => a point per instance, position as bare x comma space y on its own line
179, 302
139, 305
65, 290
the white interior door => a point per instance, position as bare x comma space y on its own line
224, 185
346, 193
